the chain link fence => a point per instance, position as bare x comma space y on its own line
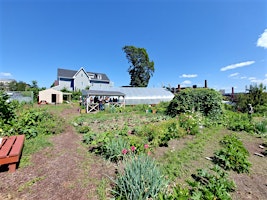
21, 96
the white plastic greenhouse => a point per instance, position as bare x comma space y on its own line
138, 95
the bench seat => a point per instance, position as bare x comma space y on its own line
10, 151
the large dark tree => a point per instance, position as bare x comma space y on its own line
141, 69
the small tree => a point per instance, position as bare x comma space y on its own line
256, 96
141, 69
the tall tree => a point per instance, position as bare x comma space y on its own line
141, 69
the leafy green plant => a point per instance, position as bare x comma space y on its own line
7, 108
113, 150
213, 184
84, 129
206, 101
239, 122
233, 155
261, 127
139, 178
175, 193
190, 122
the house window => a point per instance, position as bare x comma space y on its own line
99, 76
81, 75
82, 83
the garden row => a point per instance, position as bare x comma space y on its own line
130, 148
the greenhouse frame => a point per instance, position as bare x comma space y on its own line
135, 95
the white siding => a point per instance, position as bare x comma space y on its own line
46, 95
81, 80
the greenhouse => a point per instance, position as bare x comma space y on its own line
134, 95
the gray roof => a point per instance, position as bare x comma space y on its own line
66, 73
101, 93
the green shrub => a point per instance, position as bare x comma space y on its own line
206, 101
140, 178
213, 184
33, 122
239, 122
233, 155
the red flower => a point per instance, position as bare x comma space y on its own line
133, 148
146, 146
124, 151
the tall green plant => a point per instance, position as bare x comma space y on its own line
140, 179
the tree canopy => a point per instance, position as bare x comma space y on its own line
141, 69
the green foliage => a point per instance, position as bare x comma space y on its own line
141, 69
7, 109
139, 179
32, 146
213, 184
162, 107
233, 155
239, 122
33, 122
176, 193
84, 129
113, 149
261, 127
190, 122
206, 101
160, 133
256, 96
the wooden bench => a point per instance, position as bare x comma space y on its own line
10, 151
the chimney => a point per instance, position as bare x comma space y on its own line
179, 88
232, 95
206, 84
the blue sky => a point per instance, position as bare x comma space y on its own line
190, 41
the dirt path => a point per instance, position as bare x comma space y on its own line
253, 185
66, 171
63, 171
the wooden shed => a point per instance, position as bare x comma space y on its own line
53, 96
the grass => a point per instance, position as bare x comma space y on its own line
32, 146
29, 183
181, 163
101, 188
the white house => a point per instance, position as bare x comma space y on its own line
79, 80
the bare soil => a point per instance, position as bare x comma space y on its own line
66, 171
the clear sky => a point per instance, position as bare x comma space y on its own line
190, 41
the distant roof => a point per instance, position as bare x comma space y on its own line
102, 93
67, 73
